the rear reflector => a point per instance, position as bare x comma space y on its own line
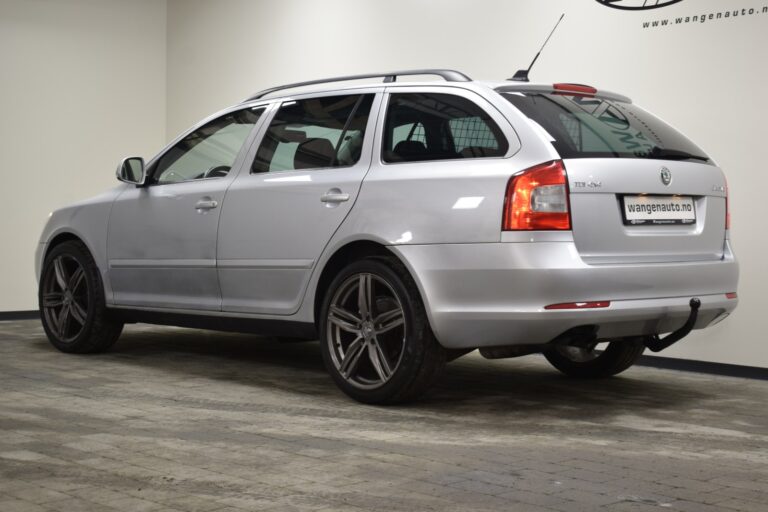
537, 199
731, 295
575, 88
580, 305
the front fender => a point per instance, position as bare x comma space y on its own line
88, 221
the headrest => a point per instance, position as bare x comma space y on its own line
406, 148
312, 153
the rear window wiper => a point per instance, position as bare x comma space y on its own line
672, 154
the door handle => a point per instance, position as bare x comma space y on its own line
334, 197
206, 204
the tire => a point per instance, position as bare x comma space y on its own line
71, 301
394, 328
617, 357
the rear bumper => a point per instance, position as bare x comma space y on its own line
494, 294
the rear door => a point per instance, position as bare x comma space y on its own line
302, 179
639, 190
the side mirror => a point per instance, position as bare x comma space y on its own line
131, 170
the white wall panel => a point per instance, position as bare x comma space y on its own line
705, 78
82, 83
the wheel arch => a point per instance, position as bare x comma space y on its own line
66, 236
348, 253
343, 256
70, 236
60, 238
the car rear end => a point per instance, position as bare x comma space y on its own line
611, 238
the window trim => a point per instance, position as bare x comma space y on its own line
486, 105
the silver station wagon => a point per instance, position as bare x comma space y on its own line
405, 224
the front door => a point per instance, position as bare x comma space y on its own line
162, 237
281, 213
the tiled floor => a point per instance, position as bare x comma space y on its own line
174, 419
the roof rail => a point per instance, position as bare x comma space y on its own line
448, 74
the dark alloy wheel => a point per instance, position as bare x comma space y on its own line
65, 298
366, 330
375, 337
592, 362
71, 300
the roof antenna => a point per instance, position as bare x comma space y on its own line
522, 75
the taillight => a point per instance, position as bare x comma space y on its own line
537, 199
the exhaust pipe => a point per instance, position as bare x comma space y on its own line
656, 344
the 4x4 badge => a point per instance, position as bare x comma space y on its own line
666, 176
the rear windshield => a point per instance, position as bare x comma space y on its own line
587, 127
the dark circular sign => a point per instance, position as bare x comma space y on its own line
637, 5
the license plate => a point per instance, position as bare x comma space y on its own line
644, 209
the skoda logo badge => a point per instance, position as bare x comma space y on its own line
637, 5
666, 176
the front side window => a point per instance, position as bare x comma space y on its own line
315, 133
427, 126
208, 152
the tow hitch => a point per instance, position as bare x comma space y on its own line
657, 344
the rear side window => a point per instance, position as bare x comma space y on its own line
426, 126
586, 127
315, 133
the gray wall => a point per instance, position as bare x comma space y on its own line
86, 82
